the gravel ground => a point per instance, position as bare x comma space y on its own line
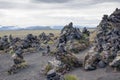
36, 61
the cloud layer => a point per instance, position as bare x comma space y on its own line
52, 1
55, 12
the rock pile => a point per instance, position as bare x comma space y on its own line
70, 33
51, 35
107, 41
30, 41
69, 61
45, 38
73, 39
52, 75
85, 31
63, 63
4, 43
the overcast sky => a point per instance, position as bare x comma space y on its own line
55, 12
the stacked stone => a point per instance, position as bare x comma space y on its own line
45, 38
51, 35
85, 31
69, 61
30, 41
108, 34
107, 43
4, 43
14, 41
65, 60
73, 39
70, 33
63, 63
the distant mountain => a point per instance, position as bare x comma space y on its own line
60, 27
27, 28
57, 27
37, 27
8, 27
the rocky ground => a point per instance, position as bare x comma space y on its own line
36, 61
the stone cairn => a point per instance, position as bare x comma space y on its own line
45, 38
65, 60
107, 43
73, 39
70, 33
4, 43
30, 41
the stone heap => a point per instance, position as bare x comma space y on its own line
63, 63
69, 62
108, 33
4, 43
15, 40
70, 40
107, 42
30, 41
73, 38
45, 38
70, 33
85, 31
51, 35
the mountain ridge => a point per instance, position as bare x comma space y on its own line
4, 28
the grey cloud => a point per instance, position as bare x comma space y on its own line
61, 4
2, 14
77, 4
15, 5
106, 1
7, 5
80, 2
73, 4
103, 1
52, 1
29, 5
